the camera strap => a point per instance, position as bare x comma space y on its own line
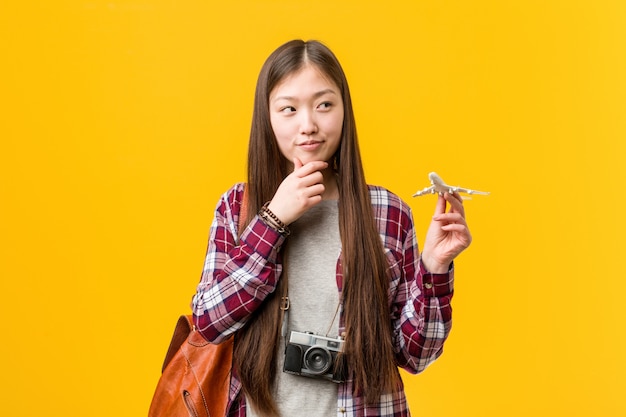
285, 304
284, 307
330, 326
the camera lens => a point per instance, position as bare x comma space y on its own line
317, 360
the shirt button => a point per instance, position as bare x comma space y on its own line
428, 285
342, 410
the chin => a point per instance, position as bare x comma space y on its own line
311, 158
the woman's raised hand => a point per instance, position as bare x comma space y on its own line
299, 191
447, 236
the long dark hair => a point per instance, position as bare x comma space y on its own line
368, 346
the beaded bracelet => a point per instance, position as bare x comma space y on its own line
267, 220
273, 221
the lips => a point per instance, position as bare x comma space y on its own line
310, 142
310, 145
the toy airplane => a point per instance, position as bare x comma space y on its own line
438, 186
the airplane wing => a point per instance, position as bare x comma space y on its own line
468, 191
427, 190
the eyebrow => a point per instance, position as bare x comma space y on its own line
316, 95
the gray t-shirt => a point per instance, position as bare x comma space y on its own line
314, 248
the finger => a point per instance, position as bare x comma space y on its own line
456, 202
454, 198
297, 163
440, 208
461, 232
313, 178
454, 227
310, 167
313, 191
457, 196
450, 218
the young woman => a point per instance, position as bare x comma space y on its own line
323, 269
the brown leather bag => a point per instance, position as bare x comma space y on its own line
195, 378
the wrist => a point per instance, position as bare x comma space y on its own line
272, 220
279, 211
435, 267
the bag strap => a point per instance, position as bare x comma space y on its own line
284, 303
184, 325
182, 330
243, 212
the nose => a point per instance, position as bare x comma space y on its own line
308, 125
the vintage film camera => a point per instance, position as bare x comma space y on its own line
315, 356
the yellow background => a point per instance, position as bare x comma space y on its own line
122, 122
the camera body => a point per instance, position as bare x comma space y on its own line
308, 354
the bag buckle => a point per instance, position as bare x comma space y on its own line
284, 303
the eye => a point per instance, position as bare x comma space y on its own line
287, 109
325, 105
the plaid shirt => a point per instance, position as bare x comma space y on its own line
237, 277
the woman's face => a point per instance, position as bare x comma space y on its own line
306, 113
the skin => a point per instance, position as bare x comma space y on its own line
448, 234
306, 114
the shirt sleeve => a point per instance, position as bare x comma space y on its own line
238, 274
421, 310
